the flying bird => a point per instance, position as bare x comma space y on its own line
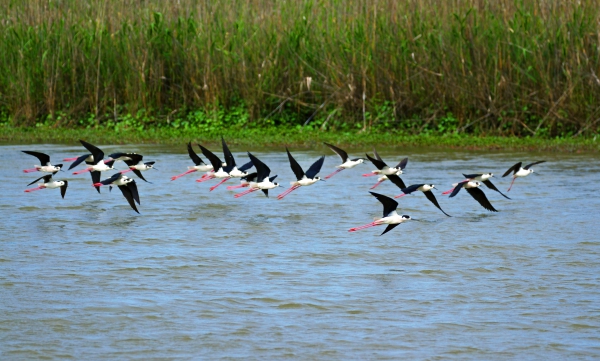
199, 165
302, 178
127, 186
519, 171
136, 165
98, 164
263, 181
221, 171
50, 184
472, 187
347, 163
45, 166
390, 215
483, 178
427, 191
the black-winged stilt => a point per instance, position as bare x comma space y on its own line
383, 169
136, 166
472, 187
427, 191
302, 178
221, 171
519, 171
347, 163
99, 164
45, 166
127, 186
482, 178
390, 215
50, 184
199, 165
263, 181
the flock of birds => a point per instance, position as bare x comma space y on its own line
262, 179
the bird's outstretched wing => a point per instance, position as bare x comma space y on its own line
515, 168
481, 198
298, 172
433, 200
315, 168
534, 163
389, 205
339, 152
43, 158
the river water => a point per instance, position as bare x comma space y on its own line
201, 275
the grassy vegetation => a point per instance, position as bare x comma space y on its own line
525, 68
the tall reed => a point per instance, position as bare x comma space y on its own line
482, 67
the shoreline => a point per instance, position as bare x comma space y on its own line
303, 138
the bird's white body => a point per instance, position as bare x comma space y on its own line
100, 167
482, 177
236, 173
426, 187
306, 181
265, 184
52, 185
122, 181
220, 174
522, 172
49, 168
141, 166
392, 218
350, 163
201, 167
471, 184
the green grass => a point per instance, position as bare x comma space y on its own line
526, 68
303, 137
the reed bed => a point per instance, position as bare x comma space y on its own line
412, 66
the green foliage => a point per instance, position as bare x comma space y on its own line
524, 68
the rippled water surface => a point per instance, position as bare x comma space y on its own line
201, 275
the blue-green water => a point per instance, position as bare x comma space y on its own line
201, 275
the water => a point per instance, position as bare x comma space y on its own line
201, 275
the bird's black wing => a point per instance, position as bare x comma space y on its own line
491, 186
108, 180
298, 172
402, 163
377, 162
134, 191
481, 198
339, 152
129, 196
471, 176
271, 179
96, 152
43, 158
266, 192
534, 163
411, 188
246, 166
315, 168
389, 205
96, 178
250, 177
514, 168
212, 158
78, 161
46, 179
431, 197
139, 174
229, 160
457, 189
396, 180
376, 155
63, 188
262, 170
195, 158
134, 159
389, 228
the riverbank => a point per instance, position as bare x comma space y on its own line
295, 137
